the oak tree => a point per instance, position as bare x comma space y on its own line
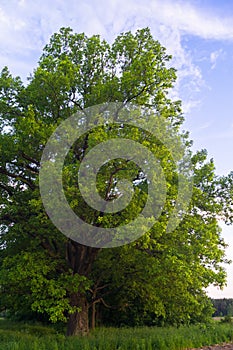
53, 274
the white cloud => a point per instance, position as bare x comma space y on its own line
214, 57
192, 20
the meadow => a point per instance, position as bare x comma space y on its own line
23, 336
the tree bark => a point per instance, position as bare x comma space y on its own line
80, 258
93, 316
78, 323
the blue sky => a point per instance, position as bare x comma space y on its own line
198, 33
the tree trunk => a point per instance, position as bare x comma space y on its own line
80, 258
93, 316
78, 323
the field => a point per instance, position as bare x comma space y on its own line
22, 336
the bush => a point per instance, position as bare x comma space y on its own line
226, 319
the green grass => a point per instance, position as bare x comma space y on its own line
21, 336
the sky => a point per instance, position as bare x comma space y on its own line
197, 33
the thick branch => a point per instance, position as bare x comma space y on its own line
32, 160
14, 176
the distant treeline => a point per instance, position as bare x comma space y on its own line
223, 307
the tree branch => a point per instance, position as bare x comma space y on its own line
32, 160
14, 176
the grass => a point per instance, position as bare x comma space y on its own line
22, 336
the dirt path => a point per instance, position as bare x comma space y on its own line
226, 346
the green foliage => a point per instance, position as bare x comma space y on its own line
40, 288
